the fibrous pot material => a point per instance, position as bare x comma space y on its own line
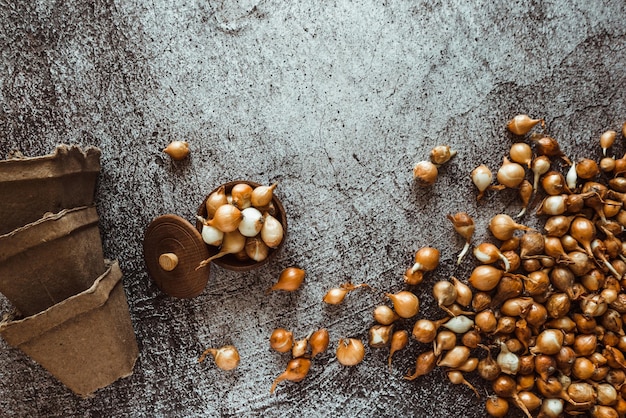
87, 341
30, 187
49, 260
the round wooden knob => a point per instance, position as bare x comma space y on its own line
168, 261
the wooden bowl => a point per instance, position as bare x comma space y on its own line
230, 261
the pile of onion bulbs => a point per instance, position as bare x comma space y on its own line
241, 222
541, 315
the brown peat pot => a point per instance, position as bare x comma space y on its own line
86, 341
49, 260
31, 187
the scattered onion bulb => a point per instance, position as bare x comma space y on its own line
460, 324
587, 169
289, 280
226, 358
319, 341
441, 154
405, 303
548, 146
336, 295
607, 164
350, 351
445, 293
510, 174
552, 407
529, 399
522, 124
521, 153
262, 195
583, 231
426, 259
463, 292
539, 166
606, 140
503, 227
497, 407
296, 371
399, 340
464, 225
384, 315
425, 173
380, 335
424, 364
488, 253
509, 362
425, 330
485, 277
300, 347
457, 378
482, 178
177, 150
525, 192
272, 231
571, 177
455, 357
281, 340
445, 340
548, 342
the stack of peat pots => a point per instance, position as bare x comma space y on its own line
71, 314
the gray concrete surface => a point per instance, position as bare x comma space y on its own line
336, 100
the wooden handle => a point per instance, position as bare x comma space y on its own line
168, 261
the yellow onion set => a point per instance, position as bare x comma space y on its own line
540, 317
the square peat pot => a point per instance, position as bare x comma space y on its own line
86, 341
30, 187
49, 260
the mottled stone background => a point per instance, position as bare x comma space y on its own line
336, 100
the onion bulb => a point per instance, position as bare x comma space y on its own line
226, 358
522, 124
503, 227
289, 280
510, 174
318, 341
464, 225
272, 231
296, 371
405, 303
399, 340
482, 178
177, 150
425, 173
281, 340
227, 218
350, 351
262, 195
251, 222
424, 364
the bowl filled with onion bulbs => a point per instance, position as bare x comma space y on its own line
243, 224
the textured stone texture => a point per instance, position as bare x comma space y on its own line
335, 100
